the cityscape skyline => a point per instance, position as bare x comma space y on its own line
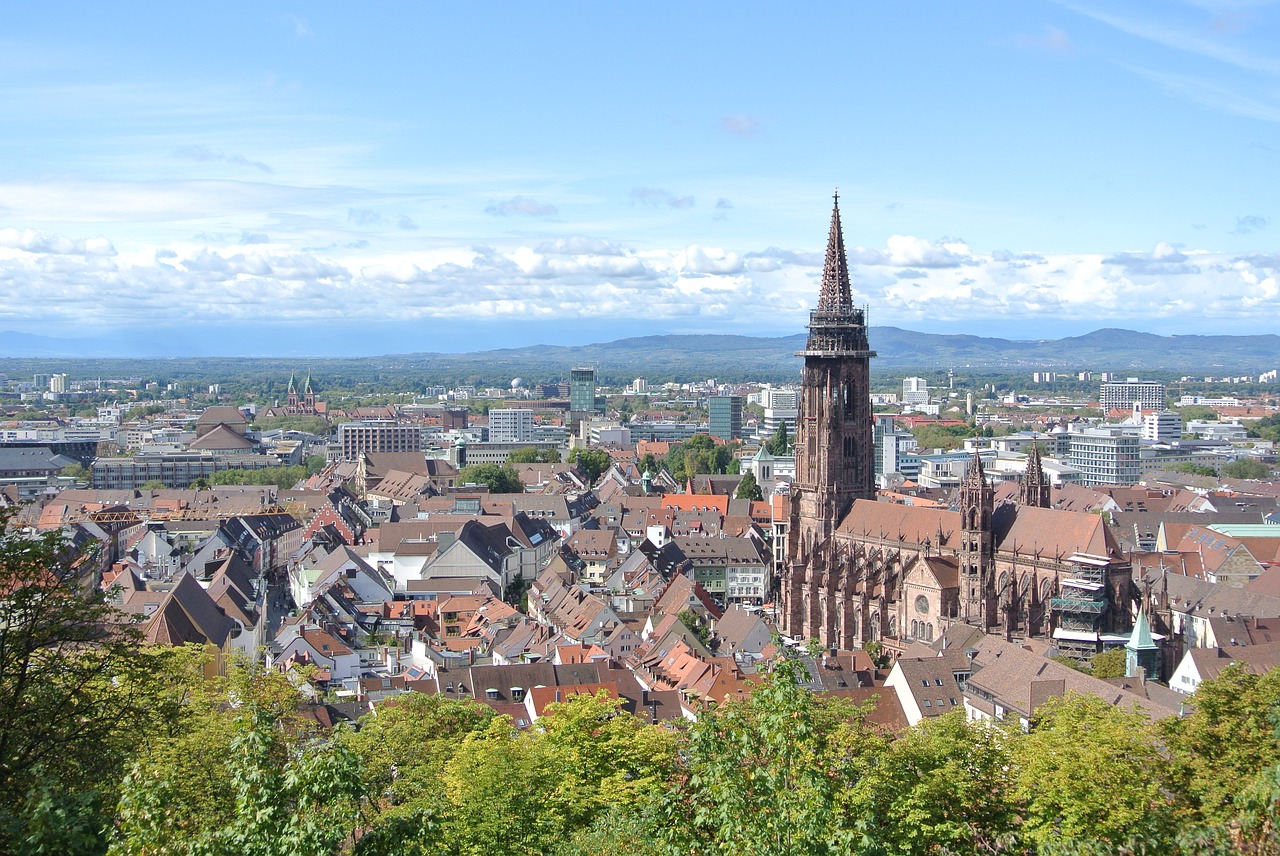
425, 180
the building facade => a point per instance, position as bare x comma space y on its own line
510, 426
1123, 395
725, 416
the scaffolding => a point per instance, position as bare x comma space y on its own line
1080, 606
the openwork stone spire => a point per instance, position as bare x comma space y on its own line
835, 270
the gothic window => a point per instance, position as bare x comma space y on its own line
928, 633
915, 629
922, 605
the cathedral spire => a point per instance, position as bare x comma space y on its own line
1034, 490
835, 269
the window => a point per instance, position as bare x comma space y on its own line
927, 703
937, 682
922, 604
924, 682
953, 702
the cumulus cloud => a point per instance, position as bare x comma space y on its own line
205, 154
741, 125
33, 241
656, 196
522, 206
83, 281
1250, 223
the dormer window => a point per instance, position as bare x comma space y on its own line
491, 694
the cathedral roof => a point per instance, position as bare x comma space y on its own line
910, 524
835, 269
1051, 532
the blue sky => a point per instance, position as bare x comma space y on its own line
317, 177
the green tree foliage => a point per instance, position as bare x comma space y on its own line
1245, 468
1109, 664
690, 619
317, 425
315, 464
534, 455
244, 779
1266, 428
76, 693
499, 477
1198, 413
767, 775
700, 454
944, 785
649, 464
1223, 749
282, 477
1193, 469
592, 462
932, 436
779, 443
749, 488
1089, 772
79, 472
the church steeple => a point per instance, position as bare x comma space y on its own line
834, 440
977, 546
1034, 490
835, 292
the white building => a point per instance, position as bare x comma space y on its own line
510, 426
915, 391
1161, 426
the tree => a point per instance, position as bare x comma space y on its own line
501, 478
591, 462
649, 464
749, 488
1218, 750
534, 455
1122, 798
1109, 664
1245, 468
277, 790
77, 693
76, 472
779, 443
942, 786
1193, 469
690, 619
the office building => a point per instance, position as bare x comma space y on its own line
1107, 454
356, 438
1123, 395
510, 426
582, 390
726, 416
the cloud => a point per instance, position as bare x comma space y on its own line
254, 238
1250, 223
406, 223
33, 241
1164, 259
655, 196
204, 154
522, 206
364, 217
723, 203
1051, 41
741, 125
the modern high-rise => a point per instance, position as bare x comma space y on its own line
582, 389
725, 416
1122, 395
1107, 454
915, 390
510, 426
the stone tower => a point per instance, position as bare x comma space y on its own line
834, 446
977, 547
1034, 490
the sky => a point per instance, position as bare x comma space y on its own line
334, 178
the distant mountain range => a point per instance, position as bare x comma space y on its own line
699, 356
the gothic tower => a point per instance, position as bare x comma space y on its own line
292, 399
1034, 490
833, 442
977, 547
308, 395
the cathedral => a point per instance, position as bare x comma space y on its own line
299, 403
859, 570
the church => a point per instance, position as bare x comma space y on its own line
297, 403
858, 570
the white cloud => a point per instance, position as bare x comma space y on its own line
84, 284
520, 205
